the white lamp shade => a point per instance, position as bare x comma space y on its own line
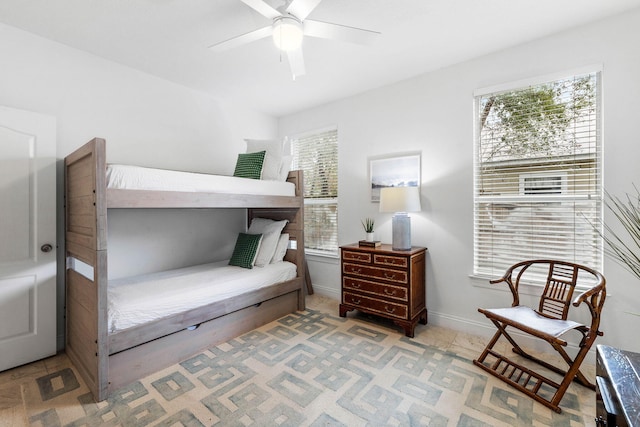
400, 199
287, 33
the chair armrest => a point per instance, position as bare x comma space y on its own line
508, 278
588, 294
595, 295
514, 291
594, 299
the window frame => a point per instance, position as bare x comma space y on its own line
327, 201
555, 198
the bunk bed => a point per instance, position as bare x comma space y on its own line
108, 360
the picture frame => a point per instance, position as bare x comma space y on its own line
396, 170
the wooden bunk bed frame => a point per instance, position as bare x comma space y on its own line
109, 361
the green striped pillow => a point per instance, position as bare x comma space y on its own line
249, 165
246, 249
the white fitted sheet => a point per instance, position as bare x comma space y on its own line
142, 299
128, 177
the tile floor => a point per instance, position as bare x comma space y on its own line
12, 405
470, 346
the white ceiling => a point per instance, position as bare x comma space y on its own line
170, 39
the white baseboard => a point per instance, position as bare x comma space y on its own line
325, 291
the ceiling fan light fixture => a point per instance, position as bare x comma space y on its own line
287, 33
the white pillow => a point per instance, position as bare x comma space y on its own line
285, 167
270, 230
281, 248
272, 159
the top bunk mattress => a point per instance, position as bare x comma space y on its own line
126, 177
142, 299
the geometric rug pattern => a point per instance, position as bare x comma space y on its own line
307, 369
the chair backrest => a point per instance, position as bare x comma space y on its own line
558, 291
561, 280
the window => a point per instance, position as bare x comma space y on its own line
316, 154
537, 174
554, 183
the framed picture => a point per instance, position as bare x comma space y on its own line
393, 171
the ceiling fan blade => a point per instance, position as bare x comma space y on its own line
344, 33
302, 8
243, 39
296, 62
262, 8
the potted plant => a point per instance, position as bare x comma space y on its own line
368, 224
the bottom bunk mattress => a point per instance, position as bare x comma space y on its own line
141, 299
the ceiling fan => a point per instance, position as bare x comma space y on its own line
289, 26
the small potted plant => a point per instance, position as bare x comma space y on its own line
368, 224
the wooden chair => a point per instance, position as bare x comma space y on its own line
549, 322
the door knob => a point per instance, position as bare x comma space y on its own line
46, 247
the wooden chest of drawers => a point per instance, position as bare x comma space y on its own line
385, 282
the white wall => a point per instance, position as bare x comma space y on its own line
433, 113
146, 121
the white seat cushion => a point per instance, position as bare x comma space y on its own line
530, 318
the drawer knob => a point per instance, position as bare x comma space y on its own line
389, 276
355, 301
391, 292
389, 310
356, 270
355, 285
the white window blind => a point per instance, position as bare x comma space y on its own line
316, 154
537, 170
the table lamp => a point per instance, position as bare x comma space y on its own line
400, 200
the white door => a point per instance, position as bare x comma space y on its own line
27, 237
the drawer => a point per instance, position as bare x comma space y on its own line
390, 260
607, 408
356, 256
395, 276
376, 288
375, 305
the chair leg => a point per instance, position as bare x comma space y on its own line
488, 348
516, 347
573, 373
578, 376
528, 381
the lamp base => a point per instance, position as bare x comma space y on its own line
401, 230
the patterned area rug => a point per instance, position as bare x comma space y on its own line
306, 369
